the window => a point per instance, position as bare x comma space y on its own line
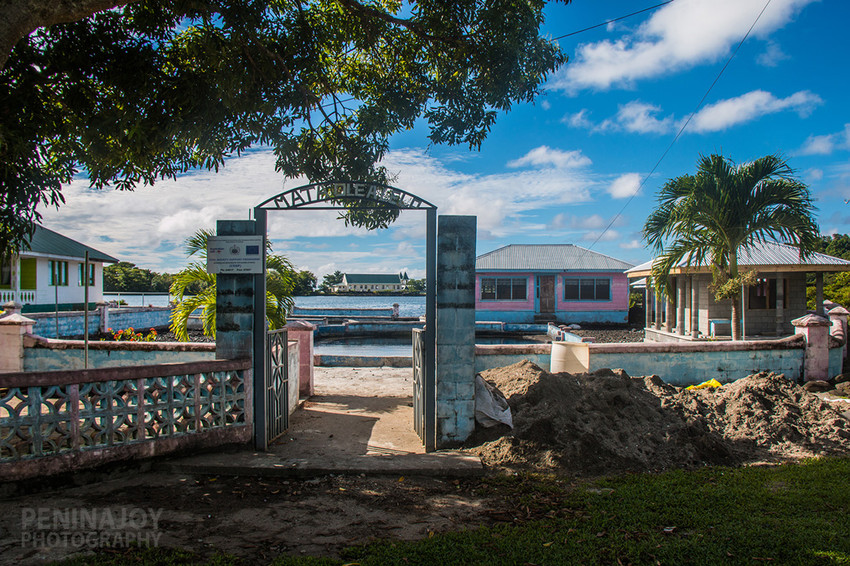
58, 273
587, 289
762, 295
80, 275
503, 288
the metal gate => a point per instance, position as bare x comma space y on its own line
277, 385
419, 382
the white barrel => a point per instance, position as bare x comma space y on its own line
572, 357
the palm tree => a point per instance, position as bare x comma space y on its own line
280, 282
723, 207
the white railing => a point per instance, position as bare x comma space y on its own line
23, 297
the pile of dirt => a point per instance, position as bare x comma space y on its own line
606, 422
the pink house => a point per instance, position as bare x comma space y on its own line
527, 283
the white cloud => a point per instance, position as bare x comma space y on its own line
772, 55
600, 236
826, 144
545, 104
546, 156
643, 118
632, 245
747, 107
638, 117
625, 186
676, 37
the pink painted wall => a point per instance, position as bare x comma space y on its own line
526, 305
619, 293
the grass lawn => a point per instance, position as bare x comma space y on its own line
790, 514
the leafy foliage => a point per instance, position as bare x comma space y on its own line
329, 280
125, 277
304, 283
155, 88
708, 217
280, 281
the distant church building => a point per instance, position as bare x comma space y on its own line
366, 282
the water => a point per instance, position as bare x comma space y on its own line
407, 305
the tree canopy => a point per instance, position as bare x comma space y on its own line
154, 88
707, 217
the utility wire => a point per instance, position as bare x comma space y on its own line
681, 130
611, 21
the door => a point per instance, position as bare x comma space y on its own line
546, 293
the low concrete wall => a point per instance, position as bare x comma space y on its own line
500, 355
44, 354
597, 317
302, 311
691, 363
72, 323
327, 360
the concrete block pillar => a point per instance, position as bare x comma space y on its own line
668, 309
780, 304
302, 332
234, 302
659, 302
838, 319
455, 375
694, 307
13, 328
816, 331
647, 302
681, 291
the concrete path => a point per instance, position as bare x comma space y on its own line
360, 421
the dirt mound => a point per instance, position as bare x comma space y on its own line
606, 421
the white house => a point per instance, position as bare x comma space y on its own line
367, 283
51, 272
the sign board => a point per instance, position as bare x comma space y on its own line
235, 254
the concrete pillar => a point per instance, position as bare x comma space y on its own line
659, 304
13, 328
668, 308
816, 331
681, 291
455, 381
694, 307
234, 302
780, 304
647, 302
104, 315
302, 332
819, 293
838, 318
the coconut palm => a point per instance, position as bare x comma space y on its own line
709, 216
280, 283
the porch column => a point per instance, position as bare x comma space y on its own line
780, 304
658, 305
647, 302
681, 291
668, 304
819, 295
694, 307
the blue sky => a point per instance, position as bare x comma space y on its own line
565, 168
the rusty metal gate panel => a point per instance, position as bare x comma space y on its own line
419, 382
277, 385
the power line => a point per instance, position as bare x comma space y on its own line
681, 130
611, 21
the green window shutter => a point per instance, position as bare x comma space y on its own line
29, 280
